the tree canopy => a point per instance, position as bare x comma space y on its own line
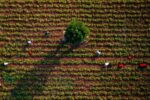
76, 32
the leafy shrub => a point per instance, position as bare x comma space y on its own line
76, 32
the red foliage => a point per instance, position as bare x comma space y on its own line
143, 65
120, 65
30, 53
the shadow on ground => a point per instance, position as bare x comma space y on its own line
34, 81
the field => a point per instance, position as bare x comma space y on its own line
46, 69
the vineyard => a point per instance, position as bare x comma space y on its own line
35, 66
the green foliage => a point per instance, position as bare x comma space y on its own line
49, 62
8, 79
76, 32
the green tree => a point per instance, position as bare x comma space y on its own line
76, 32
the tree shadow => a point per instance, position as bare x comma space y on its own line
33, 81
